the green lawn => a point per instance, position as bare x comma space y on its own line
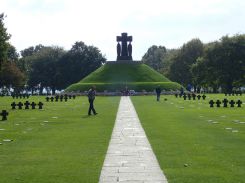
59, 144
193, 142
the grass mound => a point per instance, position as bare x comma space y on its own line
114, 77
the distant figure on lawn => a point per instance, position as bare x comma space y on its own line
158, 92
91, 97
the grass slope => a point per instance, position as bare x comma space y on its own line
184, 132
116, 76
59, 144
124, 73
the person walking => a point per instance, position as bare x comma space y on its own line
158, 92
91, 98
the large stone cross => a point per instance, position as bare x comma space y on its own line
124, 50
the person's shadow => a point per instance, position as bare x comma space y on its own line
85, 116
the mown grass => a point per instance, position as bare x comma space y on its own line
193, 142
115, 77
137, 86
59, 144
124, 73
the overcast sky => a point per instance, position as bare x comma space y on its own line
169, 23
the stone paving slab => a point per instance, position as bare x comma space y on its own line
129, 157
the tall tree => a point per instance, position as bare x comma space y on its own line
180, 69
31, 50
154, 57
44, 68
12, 54
4, 37
78, 62
11, 76
224, 61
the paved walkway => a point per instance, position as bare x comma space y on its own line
130, 158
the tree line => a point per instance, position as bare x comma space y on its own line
49, 67
219, 64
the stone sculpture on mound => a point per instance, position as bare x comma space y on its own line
124, 50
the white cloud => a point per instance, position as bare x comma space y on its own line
96, 22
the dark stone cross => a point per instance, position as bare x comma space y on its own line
198, 97
218, 103
33, 105
56, 98
203, 97
184, 97
211, 102
40, 105
225, 101
52, 99
232, 103
20, 105
239, 103
189, 96
47, 98
13, 105
176, 95
4, 115
124, 50
27, 103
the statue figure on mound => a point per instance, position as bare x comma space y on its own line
124, 50
130, 50
118, 49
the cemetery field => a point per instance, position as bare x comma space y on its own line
57, 144
193, 142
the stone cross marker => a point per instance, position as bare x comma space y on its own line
40, 105
124, 50
232, 102
33, 105
20, 105
4, 115
13, 104
239, 103
211, 102
56, 98
225, 101
27, 103
218, 103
